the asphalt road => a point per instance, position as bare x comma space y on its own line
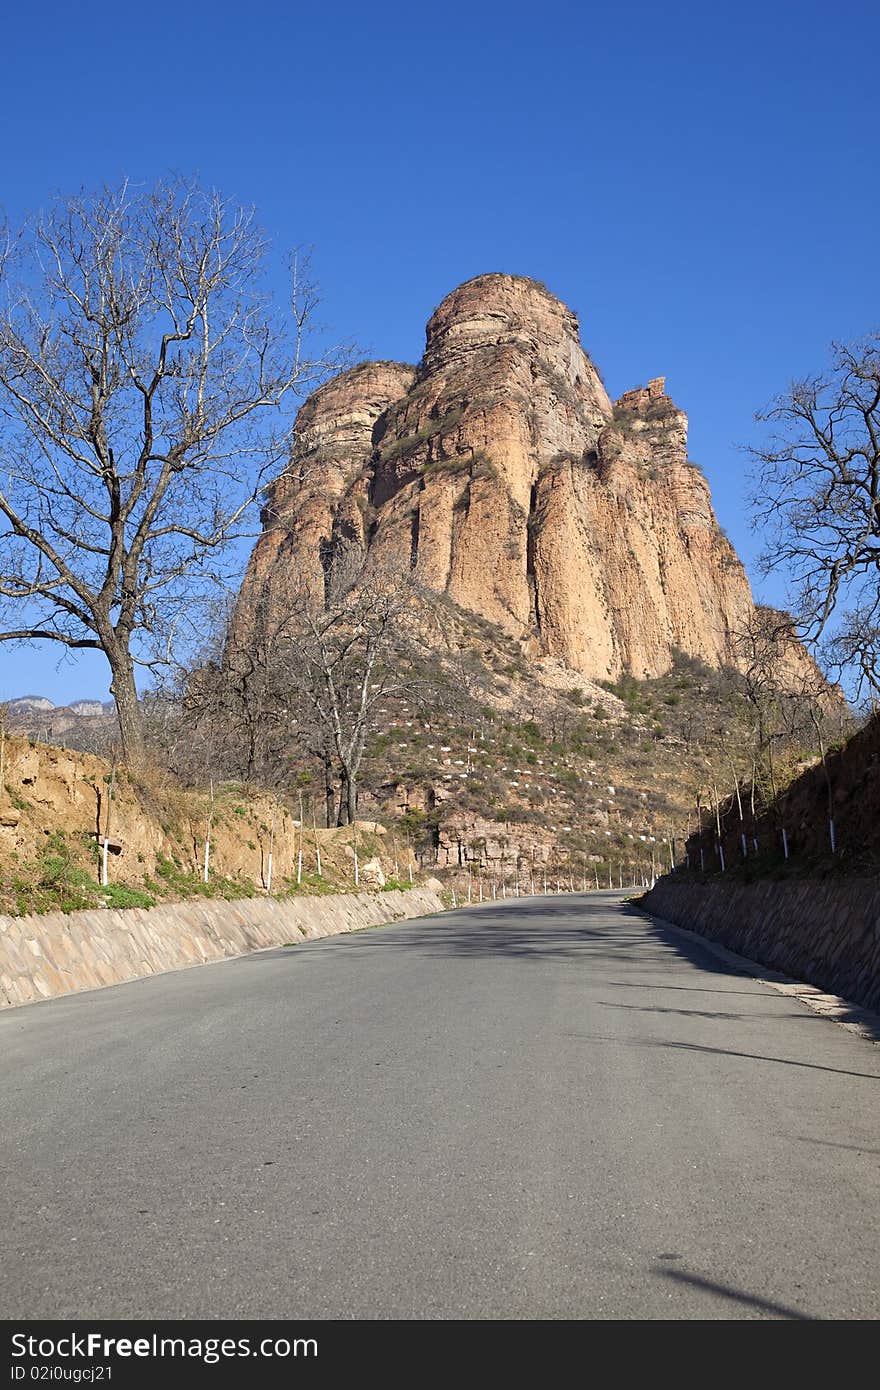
549, 1108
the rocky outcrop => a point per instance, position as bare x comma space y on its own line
501, 473
319, 505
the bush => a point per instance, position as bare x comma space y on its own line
120, 895
311, 884
399, 448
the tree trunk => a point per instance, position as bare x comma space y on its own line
252, 751
348, 798
343, 818
329, 794
128, 710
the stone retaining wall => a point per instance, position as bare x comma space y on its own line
57, 953
826, 932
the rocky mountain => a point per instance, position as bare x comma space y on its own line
501, 473
86, 724
24, 705
30, 704
592, 611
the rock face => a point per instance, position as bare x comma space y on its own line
501, 473
320, 504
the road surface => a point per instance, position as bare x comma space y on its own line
547, 1108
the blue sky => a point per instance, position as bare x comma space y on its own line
699, 183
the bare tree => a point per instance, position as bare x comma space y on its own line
144, 373
346, 656
295, 681
245, 710
235, 699
761, 649
817, 493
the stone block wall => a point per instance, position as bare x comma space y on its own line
826, 932
58, 953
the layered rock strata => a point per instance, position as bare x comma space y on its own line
500, 473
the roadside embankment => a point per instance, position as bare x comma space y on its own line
59, 953
59, 809
823, 931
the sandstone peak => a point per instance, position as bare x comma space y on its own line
511, 300
643, 397
500, 472
359, 388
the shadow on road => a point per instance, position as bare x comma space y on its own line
675, 1045
830, 1143
766, 1305
700, 1013
564, 929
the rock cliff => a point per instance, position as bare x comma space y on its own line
501, 473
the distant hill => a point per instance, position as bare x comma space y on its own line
89, 725
23, 705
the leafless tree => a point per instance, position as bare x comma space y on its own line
346, 656
760, 649
144, 379
817, 495
234, 701
788, 710
242, 709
